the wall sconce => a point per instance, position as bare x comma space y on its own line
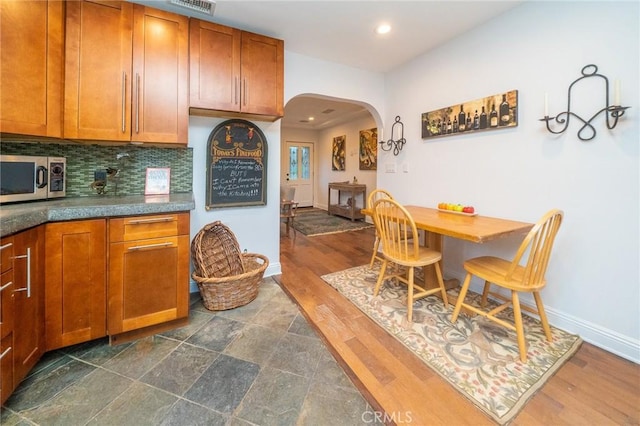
396, 144
616, 111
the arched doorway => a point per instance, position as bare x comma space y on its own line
306, 132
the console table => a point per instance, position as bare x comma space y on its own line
350, 209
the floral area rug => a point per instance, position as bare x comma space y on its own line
317, 222
478, 357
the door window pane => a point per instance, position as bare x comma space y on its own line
293, 163
305, 171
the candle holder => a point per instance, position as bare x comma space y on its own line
395, 144
611, 111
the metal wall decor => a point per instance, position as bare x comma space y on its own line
616, 111
395, 144
491, 113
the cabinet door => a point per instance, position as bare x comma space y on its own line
160, 76
148, 282
75, 282
214, 54
7, 383
28, 273
97, 95
262, 71
31, 67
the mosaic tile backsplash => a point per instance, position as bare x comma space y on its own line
131, 161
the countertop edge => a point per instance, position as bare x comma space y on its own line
18, 217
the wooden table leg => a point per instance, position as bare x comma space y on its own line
435, 241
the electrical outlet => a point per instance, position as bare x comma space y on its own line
390, 167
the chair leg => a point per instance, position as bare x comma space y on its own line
463, 293
410, 294
376, 245
517, 315
485, 294
543, 315
383, 268
443, 289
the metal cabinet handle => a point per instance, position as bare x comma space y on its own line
6, 285
244, 92
28, 287
157, 245
235, 90
124, 100
137, 103
6, 351
153, 220
5, 246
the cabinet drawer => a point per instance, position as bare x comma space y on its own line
6, 254
145, 227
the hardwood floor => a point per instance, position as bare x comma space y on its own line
593, 388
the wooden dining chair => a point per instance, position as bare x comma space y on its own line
513, 276
395, 225
288, 214
375, 195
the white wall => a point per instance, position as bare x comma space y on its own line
324, 154
323, 141
520, 173
256, 227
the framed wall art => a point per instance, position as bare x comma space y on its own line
338, 153
369, 149
236, 165
491, 113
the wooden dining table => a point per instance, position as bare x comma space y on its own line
475, 228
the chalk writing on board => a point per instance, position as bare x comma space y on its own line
236, 174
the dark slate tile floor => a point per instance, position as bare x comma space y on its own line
260, 364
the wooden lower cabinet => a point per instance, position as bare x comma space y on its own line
21, 307
75, 267
7, 383
148, 271
28, 291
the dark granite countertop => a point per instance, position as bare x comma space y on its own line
20, 216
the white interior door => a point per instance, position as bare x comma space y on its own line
297, 171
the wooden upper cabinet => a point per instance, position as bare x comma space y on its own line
235, 71
97, 101
32, 67
160, 76
126, 73
262, 71
214, 55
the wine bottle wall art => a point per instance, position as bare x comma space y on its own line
491, 113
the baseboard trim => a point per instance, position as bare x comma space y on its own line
604, 338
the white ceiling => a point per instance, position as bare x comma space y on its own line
343, 32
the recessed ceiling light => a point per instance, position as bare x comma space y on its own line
311, 118
383, 29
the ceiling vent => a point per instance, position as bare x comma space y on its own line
202, 6
328, 111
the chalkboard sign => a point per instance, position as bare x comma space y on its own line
236, 165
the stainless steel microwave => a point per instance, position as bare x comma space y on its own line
26, 178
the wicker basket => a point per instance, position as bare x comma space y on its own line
226, 277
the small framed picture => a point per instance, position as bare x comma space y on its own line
158, 181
